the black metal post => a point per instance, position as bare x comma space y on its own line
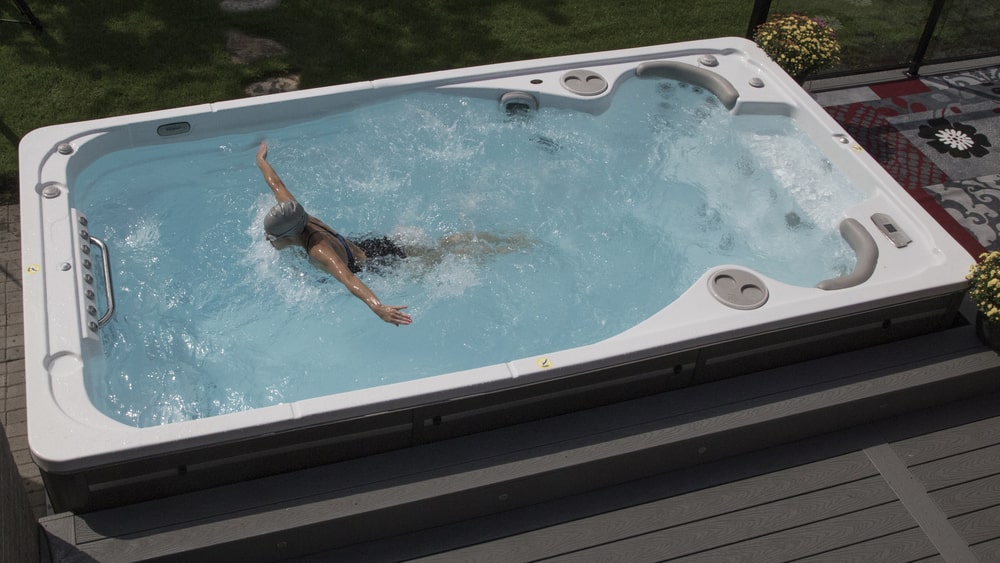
22, 6
761, 8
925, 39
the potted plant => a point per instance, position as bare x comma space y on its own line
799, 44
984, 292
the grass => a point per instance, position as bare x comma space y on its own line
99, 58
880, 34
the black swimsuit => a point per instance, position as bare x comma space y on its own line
376, 247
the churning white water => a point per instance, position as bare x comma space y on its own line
609, 218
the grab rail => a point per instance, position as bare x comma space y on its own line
867, 256
108, 291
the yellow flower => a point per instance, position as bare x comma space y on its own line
984, 284
798, 44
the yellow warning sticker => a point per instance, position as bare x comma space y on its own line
33, 268
543, 363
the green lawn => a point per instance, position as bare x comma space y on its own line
99, 58
881, 33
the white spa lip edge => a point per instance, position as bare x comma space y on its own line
67, 434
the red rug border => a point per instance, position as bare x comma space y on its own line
899, 88
950, 225
849, 114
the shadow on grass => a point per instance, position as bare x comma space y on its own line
183, 40
374, 39
98, 58
9, 134
8, 188
115, 38
8, 180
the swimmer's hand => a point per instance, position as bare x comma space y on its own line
262, 151
392, 315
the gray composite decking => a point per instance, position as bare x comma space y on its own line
941, 503
890, 453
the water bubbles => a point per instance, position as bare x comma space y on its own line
143, 234
451, 277
663, 186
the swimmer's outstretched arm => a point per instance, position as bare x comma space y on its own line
281, 193
332, 263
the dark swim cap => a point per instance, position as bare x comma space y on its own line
285, 219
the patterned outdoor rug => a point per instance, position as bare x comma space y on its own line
974, 204
938, 137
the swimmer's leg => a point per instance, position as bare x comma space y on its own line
482, 243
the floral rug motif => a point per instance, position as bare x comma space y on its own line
939, 137
982, 80
956, 139
975, 204
960, 140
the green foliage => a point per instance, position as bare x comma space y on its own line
799, 44
984, 285
99, 58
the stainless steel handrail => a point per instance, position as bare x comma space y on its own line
108, 290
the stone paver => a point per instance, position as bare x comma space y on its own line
273, 85
12, 392
245, 48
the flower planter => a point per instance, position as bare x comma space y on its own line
984, 293
988, 332
801, 45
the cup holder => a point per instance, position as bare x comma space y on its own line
584, 82
738, 289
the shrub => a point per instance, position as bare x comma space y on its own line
799, 44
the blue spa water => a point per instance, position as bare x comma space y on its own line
623, 211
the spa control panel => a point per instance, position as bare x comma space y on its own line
888, 226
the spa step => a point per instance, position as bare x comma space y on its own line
458, 479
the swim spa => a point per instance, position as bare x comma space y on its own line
145, 263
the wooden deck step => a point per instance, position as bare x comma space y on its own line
448, 482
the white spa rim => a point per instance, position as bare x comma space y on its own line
66, 432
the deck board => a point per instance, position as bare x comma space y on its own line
909, 544
980, 526
760, 529
819, 537
988, 550
901, 547
708, 472
718, 514
974, 500
932, 521
969, 496
959, 468
944, 443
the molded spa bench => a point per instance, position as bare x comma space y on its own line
714, 83
867, 256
